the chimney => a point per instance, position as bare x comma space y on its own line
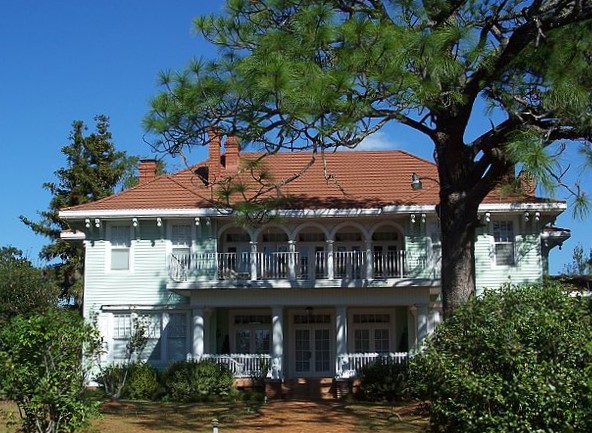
214, 155
232, 154
147, 169
527, 183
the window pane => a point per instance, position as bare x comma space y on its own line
361, 340
504, 254
120, 236
262, 339
181, 235
120, 259
243, 343
381, 340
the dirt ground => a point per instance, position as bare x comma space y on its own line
290, 416
300, 417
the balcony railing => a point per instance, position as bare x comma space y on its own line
293, 266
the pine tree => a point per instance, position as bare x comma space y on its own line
324, 74
93, 170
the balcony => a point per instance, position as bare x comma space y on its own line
300, 267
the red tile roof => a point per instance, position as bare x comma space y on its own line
358, 179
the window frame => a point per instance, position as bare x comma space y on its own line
111, 246
506, 230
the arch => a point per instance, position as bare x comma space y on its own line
360, 227
231, 226
376, 227
257, 233
314, 224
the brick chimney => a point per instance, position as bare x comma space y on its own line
214, 155
231, 156
527, 183
147, 169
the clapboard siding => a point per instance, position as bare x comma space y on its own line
528, 267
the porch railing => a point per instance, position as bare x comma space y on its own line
294, 266
241, 364
351, 364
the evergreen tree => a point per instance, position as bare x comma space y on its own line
24, 289
580, 264
93, 170
322, 74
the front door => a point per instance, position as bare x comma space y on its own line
312, 345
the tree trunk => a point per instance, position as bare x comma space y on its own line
458, 256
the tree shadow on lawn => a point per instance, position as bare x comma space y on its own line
277, 416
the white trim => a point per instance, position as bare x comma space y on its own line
554, 206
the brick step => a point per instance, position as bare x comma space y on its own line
309, 388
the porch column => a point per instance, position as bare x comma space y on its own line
341, 339
292, 260
422, 323
434, 318
198, 322
277, 342
330, 266
369, 260
254, 260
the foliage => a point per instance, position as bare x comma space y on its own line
383, 381
43, 369
93, 169
514, 360
581, 264
326, 74
142, 383
114, 377
194, 381
24, 289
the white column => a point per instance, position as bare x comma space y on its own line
341, 338
422, 323
292, 260
277, 342
369, 260
412, 327
253, 259
198, 322
330, 263
434, 318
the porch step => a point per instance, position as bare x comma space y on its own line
307, 388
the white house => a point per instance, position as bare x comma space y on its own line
345, 272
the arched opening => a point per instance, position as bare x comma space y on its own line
387, 252
349, 253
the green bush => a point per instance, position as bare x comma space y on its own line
142, 382
513, 360
44, 363
195, 381
112, 378
383, 381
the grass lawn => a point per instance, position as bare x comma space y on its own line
276, 416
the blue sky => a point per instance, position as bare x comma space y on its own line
66, 60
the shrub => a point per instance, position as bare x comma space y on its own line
195, 381
513, 360
142, 382
43, 369
383, 381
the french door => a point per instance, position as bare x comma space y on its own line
313, 344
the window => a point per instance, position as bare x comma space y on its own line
503, 236
120, 247
173, 337
177, 336
122, 331
371, 332
252, 333
181, 239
